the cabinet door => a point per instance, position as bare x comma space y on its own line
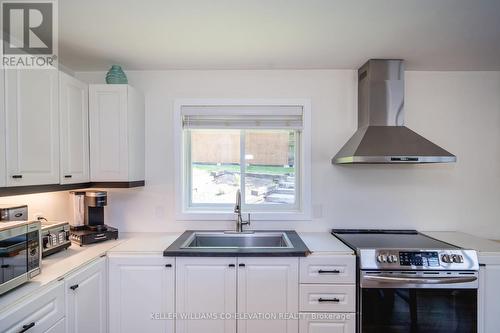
32, 120
108, 133
141, 294
2, 129
37, 314
74, 114
205, 286
268, 285
489, 294
86, 299
327, 323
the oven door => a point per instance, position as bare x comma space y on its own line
396, 303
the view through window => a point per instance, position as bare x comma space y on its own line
261, 161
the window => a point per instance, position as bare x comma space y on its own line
257, 149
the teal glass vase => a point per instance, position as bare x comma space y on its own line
116, 75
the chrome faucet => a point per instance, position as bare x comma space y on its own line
237, 209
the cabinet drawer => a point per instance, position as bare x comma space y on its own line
327, 298
41, 311
328, 269
327, 323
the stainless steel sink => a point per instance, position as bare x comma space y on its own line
245, 240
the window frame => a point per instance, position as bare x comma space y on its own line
182, 169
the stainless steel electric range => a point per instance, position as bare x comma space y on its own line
409, 282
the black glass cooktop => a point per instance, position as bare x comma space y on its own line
389, 239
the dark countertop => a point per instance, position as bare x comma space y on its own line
299, 248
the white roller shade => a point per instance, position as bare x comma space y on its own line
245, 117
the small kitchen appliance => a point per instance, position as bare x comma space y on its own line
55, 237
19, 253
13, 213
78, 219
410, 282
93, 229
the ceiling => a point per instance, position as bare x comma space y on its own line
278, 34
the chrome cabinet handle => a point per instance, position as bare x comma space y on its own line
436, 280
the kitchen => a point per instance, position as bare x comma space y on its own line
451, 85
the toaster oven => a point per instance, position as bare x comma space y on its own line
55, 237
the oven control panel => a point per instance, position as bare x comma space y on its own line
423, 259
418, 259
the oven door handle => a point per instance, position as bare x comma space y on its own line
414, 280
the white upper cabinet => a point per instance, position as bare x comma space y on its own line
32, 127
116, 133
2, 129
86, 297
74, 115
268, 285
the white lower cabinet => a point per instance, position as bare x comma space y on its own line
339, 269
40, 313
151, 293
76, 304
268, 286
327, 298
327, 294
327, 323
86, 295
247, 286
488, 299
141, 293
205, 286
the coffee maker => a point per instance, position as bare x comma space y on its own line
89, 227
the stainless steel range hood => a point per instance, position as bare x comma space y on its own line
381, 136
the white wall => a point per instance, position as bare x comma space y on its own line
458, 110
54, 206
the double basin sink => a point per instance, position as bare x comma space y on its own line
231, 243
